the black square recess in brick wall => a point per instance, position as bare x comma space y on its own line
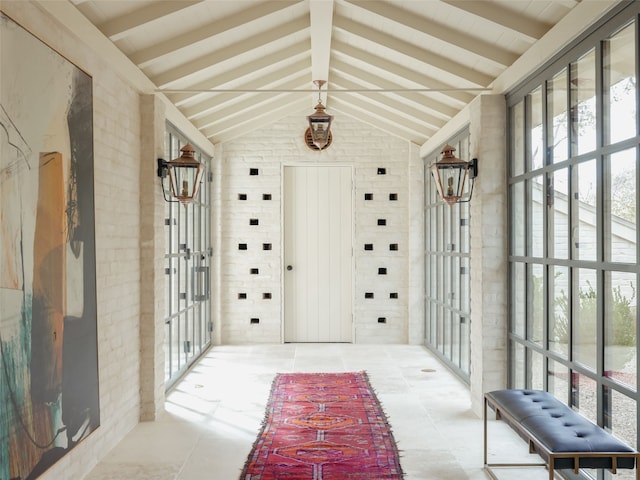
368, 196
393, 247
254, 171
368, 294
393, 197
255, 271
393, 295
368, 246
242, 196
254, 321
382, 319
242, 296
266, 295
382, 221
254, 221
266, 246
242, 246
382, 171
266, 196
382, 271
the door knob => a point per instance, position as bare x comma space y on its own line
289, 267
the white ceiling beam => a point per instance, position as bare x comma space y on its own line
266, 62
246, 102
119, 27
492, 12
214, 101
401, 71
444, 33
144, 57
420, 116
321, 13
341, 106
268, 113
211, 59
440, 110
385, 115
417, 53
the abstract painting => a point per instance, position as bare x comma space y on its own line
49, 398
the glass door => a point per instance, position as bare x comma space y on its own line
187, 272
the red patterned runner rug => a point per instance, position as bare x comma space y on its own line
323, 426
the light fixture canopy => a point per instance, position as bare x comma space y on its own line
451, 173
320, 121
185, 175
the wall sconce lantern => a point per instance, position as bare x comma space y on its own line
185, 175
450, 174
319, 121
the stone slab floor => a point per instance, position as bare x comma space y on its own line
214, 415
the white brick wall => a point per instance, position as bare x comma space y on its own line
354, 144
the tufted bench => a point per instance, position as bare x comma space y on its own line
562, 437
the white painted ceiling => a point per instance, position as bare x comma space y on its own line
405, 66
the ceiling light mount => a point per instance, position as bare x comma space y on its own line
320, 121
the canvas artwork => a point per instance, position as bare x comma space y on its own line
48, 337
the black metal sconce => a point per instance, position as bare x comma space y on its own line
185, 176
451, 174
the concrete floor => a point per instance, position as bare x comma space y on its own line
214, 415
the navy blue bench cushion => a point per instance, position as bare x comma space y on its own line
559, 428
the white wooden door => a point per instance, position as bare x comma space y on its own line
317, 254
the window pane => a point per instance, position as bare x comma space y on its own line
620, 85
518, 298
559, 321
584, 185
620, 416
517, 139
536, 230
558, 380
584, 316
536, 372
559, 216
536, 132
517, 366
583, 396
557, 111
536, 287
583, 104
620, 215
517, 219
620, 327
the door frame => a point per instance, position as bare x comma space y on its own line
284, 165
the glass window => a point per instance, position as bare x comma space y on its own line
620, 207
536, 292
536, 215
517, 139
558, 122
584, 314
518, 222
620, 327
584, 218
559, 215
558, 380
574, 292
560, 314
536, 132
583, 104
619, 74
583, 396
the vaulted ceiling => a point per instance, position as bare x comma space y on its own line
404, 66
